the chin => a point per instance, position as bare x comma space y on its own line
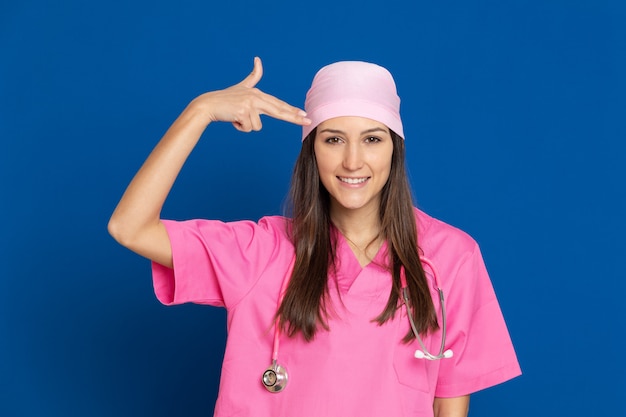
355, 205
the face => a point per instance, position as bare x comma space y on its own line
353, 157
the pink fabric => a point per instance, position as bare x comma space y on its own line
358, 367
353, 88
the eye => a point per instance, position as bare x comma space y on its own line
372, 139
332, 140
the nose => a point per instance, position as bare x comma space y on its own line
353, 157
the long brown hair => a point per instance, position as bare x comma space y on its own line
304, 307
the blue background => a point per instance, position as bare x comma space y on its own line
514, 115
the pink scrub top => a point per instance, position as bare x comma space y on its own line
357, 368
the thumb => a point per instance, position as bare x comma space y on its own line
255, 76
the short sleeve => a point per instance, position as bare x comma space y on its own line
483, 354
215, 263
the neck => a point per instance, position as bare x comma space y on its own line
361, 229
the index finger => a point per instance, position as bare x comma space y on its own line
281, 110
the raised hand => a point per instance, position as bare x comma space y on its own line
243, 104
136, 223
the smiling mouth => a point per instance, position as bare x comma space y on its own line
353, 180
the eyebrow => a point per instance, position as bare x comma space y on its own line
372, 130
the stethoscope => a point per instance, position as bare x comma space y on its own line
275, 376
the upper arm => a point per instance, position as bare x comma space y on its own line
153, 243
451, 407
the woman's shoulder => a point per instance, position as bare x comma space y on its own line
277, 224
276, 228
267, 227
433, 233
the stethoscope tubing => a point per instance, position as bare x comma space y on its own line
279, 373
424, 353
283, 289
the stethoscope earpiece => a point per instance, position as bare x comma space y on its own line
275, 378
421, 355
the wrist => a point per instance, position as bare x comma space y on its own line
200, 109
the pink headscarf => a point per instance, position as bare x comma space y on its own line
353, 88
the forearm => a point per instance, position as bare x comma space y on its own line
451, 407
136, 223
140, 206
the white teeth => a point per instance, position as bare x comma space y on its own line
353, 180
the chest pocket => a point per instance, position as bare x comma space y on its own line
417, 374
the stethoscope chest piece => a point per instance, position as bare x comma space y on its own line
275, 378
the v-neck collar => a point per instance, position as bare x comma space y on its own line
347, 265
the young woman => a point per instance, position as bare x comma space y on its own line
358, 304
